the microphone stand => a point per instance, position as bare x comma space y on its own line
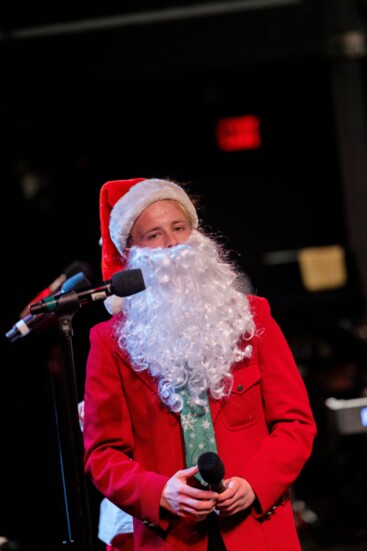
78, 530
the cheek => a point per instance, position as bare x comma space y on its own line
183, 237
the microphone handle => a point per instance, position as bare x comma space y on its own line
64, 301
218, 487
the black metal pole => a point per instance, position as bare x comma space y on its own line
78, 527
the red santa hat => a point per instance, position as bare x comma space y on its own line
121, 203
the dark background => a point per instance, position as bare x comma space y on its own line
94, 95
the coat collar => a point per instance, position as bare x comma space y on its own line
148, 380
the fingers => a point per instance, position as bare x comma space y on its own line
190, 502
195, 508
196, 493
238, 496
184, 500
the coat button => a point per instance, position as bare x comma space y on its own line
239, 388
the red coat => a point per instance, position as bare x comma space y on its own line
264, 433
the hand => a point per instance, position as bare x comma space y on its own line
238, 496
81, 414
186, 501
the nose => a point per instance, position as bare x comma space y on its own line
171, 240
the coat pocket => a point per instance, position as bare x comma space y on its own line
243, 407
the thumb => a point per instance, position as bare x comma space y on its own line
191, 471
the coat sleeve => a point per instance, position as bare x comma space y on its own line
288, 415
108, 437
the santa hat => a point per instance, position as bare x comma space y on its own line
121, 203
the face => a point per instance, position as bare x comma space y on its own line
162, 224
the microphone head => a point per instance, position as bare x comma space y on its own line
127, 282
75, 283
211, 467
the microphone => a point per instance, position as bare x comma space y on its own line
71, 269
211, 469
26, 323
122, 284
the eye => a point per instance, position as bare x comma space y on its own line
180, 228
152, 236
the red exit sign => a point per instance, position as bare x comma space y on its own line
236, 133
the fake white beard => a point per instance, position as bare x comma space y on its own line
189, 325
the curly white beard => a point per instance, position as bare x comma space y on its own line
190, 324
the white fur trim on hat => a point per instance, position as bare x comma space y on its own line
138, 198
